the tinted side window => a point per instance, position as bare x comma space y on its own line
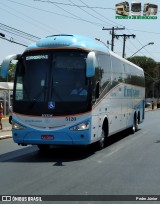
104, 65
116, 69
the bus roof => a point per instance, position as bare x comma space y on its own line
136, 2
151, 4
68, 41
122, 3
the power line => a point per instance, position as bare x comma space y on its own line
47, 11
124, 41
144, 31
18, 32
113, 34
71, 17
13, 41
142, 45
100, 14
75, 17
75, 5
90, 13
112, 44
22, 16
38, 9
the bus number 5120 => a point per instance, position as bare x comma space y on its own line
70, 118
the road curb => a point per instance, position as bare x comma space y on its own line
5, 118
6, 133
5, 137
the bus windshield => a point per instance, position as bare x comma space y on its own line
136, 7
126, 8
150, 9
54, 80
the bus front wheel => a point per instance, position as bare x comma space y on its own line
101, 142
104, 133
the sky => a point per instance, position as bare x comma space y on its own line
41, 18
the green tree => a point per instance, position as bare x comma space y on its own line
11, 73
149, 67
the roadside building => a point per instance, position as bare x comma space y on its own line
6, 93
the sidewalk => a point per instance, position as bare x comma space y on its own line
150, 108
6, 132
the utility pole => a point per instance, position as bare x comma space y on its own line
124, 41
113, 34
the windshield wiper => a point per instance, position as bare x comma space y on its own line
36, 99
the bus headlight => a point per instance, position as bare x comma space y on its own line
82, 126
17, 126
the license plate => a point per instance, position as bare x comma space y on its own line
47, 137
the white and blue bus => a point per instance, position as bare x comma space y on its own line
46, 110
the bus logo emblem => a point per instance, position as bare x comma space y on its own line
51, 104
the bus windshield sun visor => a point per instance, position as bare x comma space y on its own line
6, 62
91, 64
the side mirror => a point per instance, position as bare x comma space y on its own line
6, 62
10, 119
91, 64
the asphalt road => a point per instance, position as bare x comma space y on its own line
129, 165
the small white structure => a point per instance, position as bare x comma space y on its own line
6, 90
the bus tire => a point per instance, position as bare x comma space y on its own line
104, 133
101, 142
134, 127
